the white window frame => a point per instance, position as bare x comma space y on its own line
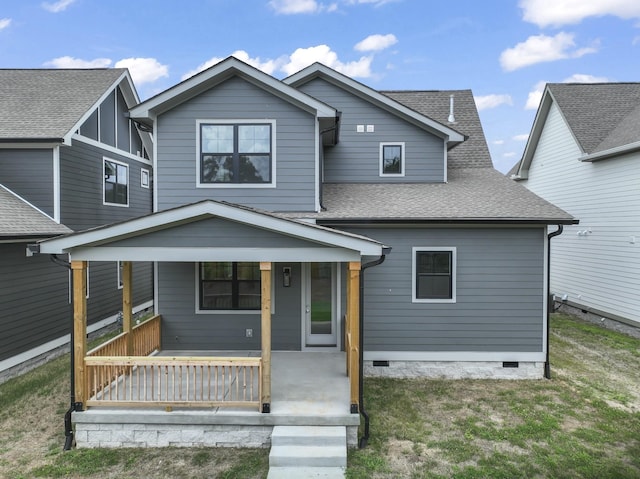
454, 261
126, 165
262, 121
402, 158
119, 267
144, 174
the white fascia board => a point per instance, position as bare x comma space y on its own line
611, 152
87, 114
195, 254
165, 219
111, 149
470, 356
317, 68
231, 64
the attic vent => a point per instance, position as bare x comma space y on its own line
451, 119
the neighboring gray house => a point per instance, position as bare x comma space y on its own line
284, 210
583, 155
70, 159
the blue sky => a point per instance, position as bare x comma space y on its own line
504, 50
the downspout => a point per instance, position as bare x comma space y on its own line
365, 438
73, 405
547, 364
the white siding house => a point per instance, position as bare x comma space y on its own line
583, 155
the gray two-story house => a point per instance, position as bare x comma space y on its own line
317, 215
70, 159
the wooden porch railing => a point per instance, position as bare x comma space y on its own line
174, 381
146, 339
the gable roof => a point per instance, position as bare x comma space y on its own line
49, 105
604, 119
472, 153
19, 219
318, 70
80, 244
218, 73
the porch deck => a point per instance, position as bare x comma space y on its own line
308, 389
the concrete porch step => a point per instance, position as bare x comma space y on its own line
308, 456
306, 473
309, 436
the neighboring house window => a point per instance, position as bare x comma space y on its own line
236, 153
229, 286
391, 159
116, 183
434, 275
120, 274
144, 178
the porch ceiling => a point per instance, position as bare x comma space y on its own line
213, 231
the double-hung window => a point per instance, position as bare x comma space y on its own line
392, 159
236, 153
229, 286
116, 183
434, 275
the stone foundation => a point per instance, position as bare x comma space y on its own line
455, 370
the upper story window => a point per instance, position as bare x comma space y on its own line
391, 159
434, 275
236, 153
116, 183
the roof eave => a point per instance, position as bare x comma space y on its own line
447, 221
611, 152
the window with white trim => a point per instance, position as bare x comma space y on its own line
229, 286
116, 183
119, 267
392, 159
236, 153
144, 178
434, 275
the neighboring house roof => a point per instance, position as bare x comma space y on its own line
604, 119
472, 195
19, 219
318, 70
218, 73
80, 243
472, 153
50, 105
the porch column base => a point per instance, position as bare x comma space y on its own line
266, 408
355, 409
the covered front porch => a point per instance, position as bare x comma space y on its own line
136, 376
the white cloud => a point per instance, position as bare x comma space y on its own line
498, 142
294, 7
535, 95
522, 137
564, 12
485, 102
377, 42
509, 154
4, 23
267, 66
144, 70
375, 3
56, 7
71, 62
542, 48
303, 57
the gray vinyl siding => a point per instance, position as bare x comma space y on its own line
235, 99
215, 232
356, 158
500, 282
29, 173
90, 127
183, 329
82, 188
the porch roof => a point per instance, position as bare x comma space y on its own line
168, 236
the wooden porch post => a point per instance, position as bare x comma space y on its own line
265, 276
79, 269
353, 325
127, 302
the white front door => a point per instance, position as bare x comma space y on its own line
320, 300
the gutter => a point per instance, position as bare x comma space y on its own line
365, 438
547, 364
616, 151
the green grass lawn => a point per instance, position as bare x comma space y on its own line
583, 423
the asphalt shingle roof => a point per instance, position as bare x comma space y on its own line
46, 104
19, 219
600, 115
472, 153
